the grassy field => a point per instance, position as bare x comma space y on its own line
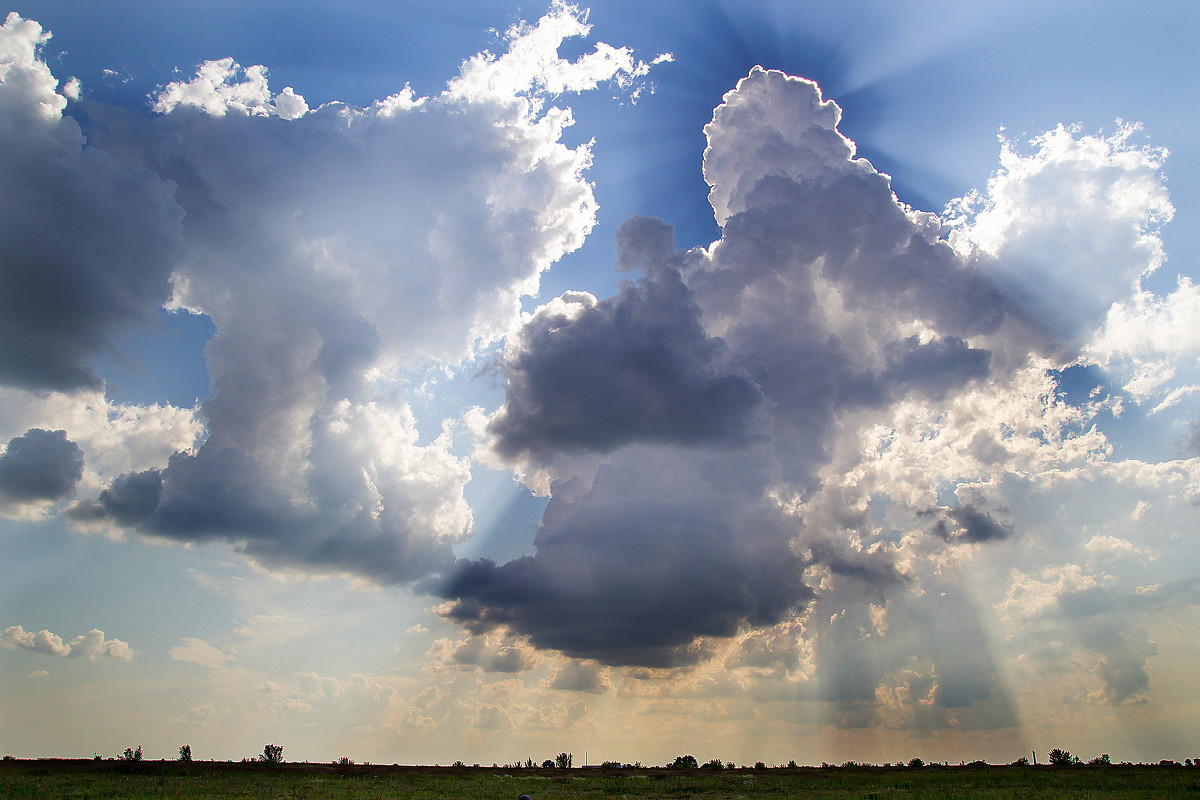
88, 780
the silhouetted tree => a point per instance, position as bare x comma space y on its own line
272, 754
547, 764
684, 762
131, 755
185, 752
562, 761
915, 762
715, 763
1061, 758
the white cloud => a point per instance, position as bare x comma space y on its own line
198, 651
217, 89
1070, 227
92, 645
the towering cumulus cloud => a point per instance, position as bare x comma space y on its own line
719, 384
336, 250
815, 455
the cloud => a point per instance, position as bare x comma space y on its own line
581, 676
198, 651
92, 645
969, 524
40, 465
590, 376
89, 244
626, 573
678, 423
339, 251
216, 90
1076, 204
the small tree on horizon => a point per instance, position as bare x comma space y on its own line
131, 755
272, 754
185, 752
1062, 758
562, 761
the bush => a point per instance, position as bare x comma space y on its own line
562, 761
1020, 762
1062, 758
1100, 759
684, 762
345, 761
715, 763
915, 762
759, 765
547, 764
131, 755
272, 754
185, 752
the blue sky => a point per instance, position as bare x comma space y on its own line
414, 425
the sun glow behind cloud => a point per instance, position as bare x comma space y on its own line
818, 481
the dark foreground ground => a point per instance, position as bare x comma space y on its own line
168, 780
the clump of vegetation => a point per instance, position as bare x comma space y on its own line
915, 762
562, 761
1062, 758
345, 761
715, 763
185, 752
271, 754
131, 755
684, 762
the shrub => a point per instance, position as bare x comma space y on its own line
715, 763
562, 761
759, 765
345, 761
1021, 762
272, 754
1100, 759
915, 762
684, 762
547, 764
185, 752
131, 755
1062, 758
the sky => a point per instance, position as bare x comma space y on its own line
480, 381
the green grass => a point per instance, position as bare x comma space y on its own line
89, 780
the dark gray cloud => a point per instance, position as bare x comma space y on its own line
969, 524
627, 575
226, 494
635, 367
40, 465
87, 246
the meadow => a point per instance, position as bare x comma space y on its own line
93, 780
